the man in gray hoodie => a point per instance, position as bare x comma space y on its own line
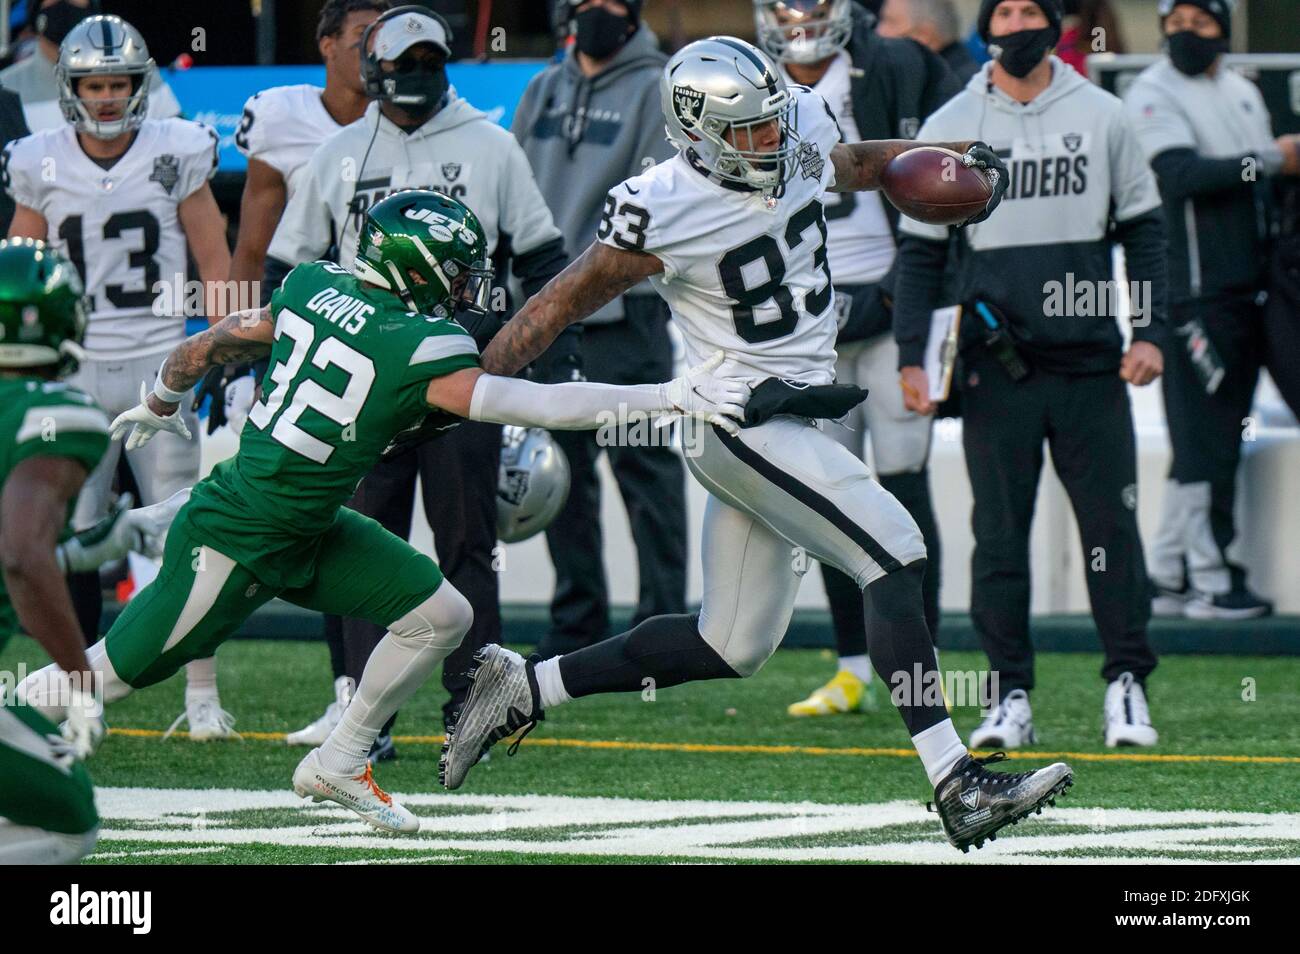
1044, 359
587, 123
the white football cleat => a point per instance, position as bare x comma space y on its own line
1126, 718
208, 721
1009, 726
317, 732
360, 793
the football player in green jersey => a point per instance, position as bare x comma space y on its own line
51, 437
356, 358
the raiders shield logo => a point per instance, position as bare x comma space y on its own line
450, 171
908, 127
166, 172
811, 162
513, 486
1072, 141
688, 104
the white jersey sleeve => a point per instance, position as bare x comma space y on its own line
195, 147
20, 171
282, 127
742, 274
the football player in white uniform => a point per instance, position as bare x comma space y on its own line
731, 232
120, 195
809, 39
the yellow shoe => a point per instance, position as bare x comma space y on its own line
845, 693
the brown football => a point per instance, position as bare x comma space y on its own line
931, 184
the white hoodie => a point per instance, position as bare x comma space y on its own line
459, 152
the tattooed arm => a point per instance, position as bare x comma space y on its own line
599, 275
859, 165
240, 336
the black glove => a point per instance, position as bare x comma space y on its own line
435, 424
981, 156
562, 361
214, 385
779, 396
482, 325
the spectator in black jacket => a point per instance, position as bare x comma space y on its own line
1206, 130
933, 23
1043, 357
877, 88
12, 126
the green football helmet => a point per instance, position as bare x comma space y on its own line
427, 248
43, 307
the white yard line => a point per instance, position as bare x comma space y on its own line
708, 830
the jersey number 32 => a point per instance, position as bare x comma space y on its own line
342, 409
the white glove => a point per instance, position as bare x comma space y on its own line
152, 523
84, 727
699, 393
110, 539
239, 402
146, 422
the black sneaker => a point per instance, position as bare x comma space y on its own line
503, 700
1235, 604
383, 749
974, 803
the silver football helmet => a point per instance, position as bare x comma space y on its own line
803, 31
723, 87
104, 46
532, 484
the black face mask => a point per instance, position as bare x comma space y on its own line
1193, 54
56, 22
599, 33
1024, 49
418, 87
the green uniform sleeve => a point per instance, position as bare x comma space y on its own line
441, 348
62, 425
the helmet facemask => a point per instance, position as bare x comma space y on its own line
742, 159
106, 47
82, 113
429, 250
803, 31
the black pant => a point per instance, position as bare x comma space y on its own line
1088, 425
1205, 430
1282, 322
458, 482
651, 481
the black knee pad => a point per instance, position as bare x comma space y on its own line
897, 595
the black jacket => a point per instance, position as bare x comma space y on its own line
13, 125
895, 84
959, 60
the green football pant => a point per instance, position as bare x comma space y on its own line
201, 596
38, 788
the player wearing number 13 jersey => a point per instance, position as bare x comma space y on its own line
122, 196
356, 357
731, 232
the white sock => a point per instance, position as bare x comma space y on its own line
201, 678
399, 665
940, 748
550, 684
46, 690
860, 666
